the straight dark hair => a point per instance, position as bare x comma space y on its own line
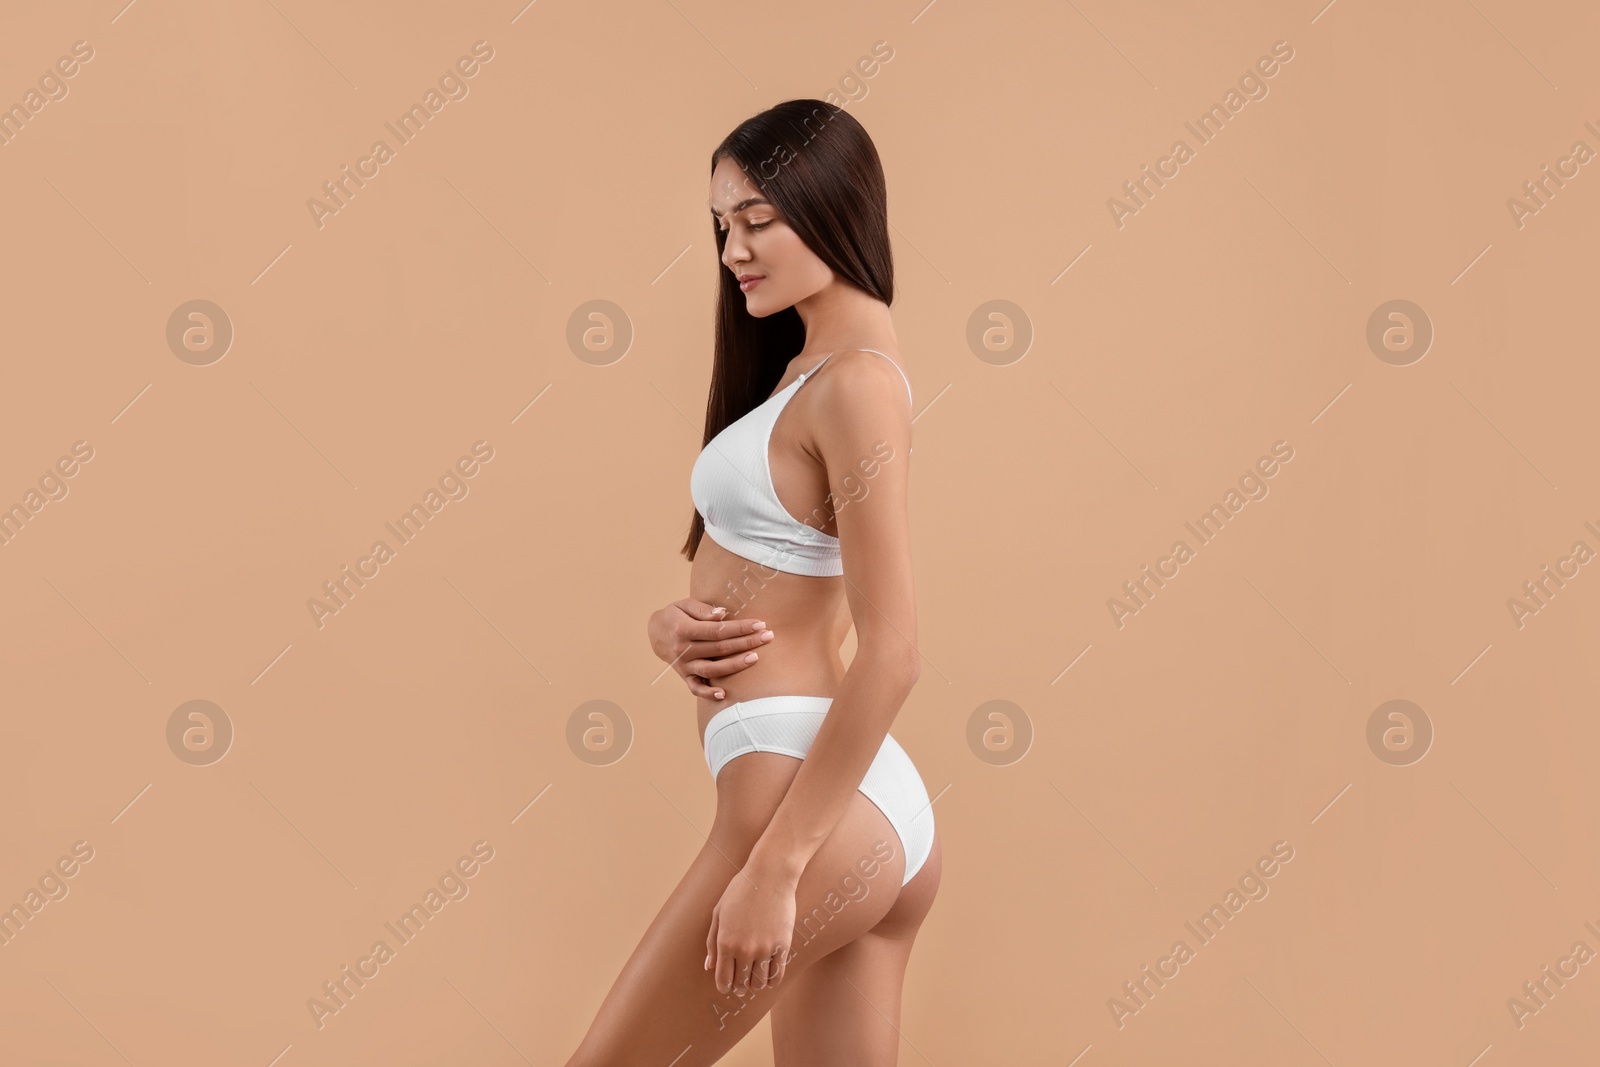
817, 165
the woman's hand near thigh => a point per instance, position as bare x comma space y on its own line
694, 639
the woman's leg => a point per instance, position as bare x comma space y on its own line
846, 1008
664, 1009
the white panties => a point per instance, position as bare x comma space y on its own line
788, 724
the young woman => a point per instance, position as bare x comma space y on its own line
823, 860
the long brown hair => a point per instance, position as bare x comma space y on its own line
817, 165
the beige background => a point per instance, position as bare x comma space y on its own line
369, 354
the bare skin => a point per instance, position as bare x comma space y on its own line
756, 923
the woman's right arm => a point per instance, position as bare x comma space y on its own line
692, 637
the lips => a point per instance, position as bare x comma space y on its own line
748, 282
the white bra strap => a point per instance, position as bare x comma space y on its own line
896, 367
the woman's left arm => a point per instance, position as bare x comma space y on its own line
866, 448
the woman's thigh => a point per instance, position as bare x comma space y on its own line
665, 1004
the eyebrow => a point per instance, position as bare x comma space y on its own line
740, 206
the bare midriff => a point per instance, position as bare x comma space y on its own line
809, 618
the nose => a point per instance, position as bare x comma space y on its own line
733, 251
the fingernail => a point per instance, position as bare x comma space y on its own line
756, 625
767, 635
719, 694
751, 658
719, 611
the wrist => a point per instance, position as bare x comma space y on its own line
775, 866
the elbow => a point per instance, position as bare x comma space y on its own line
902, 665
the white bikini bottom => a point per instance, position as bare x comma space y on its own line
788, 724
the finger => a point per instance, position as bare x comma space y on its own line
780, 957
728, 645
742, 986
711, 940
721, 668
758, 974
702, 687
724, 965
699, 609
717, 630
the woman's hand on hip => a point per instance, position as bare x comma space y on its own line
696, 640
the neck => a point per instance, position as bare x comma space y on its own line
842, 316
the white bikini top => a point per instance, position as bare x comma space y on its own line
732, 489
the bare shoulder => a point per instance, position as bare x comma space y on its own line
867, 374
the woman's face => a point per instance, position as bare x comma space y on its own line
780, 269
